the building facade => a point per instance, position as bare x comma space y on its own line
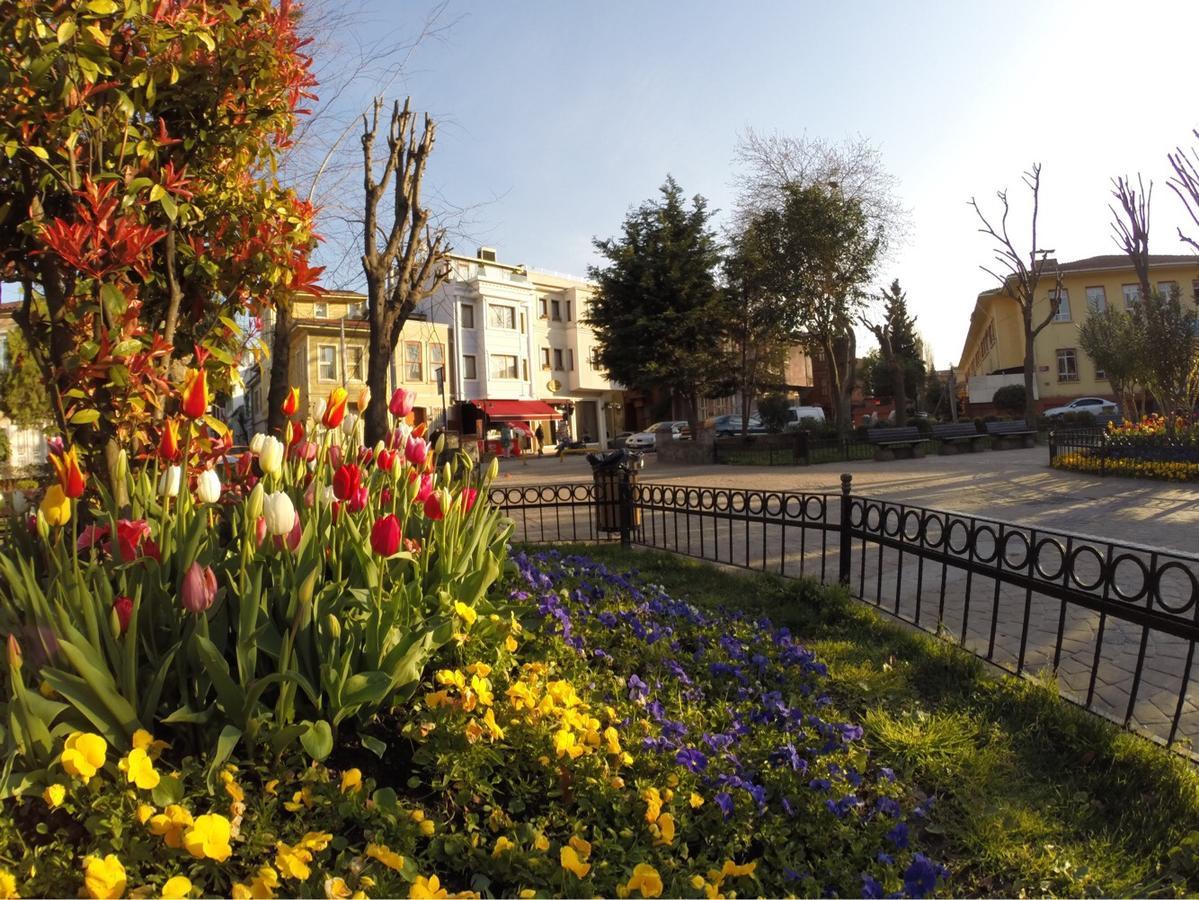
993, 354
520, 335
329, 348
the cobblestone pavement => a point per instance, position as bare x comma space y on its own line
1097, 653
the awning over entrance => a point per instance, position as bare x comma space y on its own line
516, 410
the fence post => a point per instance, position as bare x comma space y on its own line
1052, 445
799, 449
626, 508
846, 543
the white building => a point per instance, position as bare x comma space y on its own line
517, 336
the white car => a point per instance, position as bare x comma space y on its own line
1096, 405
797, 414
648, 439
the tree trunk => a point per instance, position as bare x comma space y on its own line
1030, 365
280, 384
899, 391
377, 365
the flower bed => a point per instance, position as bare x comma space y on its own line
589, 734
1145, 449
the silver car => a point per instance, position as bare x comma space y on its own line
1096, 405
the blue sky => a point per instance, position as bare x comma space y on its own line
556, 117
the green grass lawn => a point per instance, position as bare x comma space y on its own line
1034, 795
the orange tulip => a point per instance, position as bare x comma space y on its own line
335, 410
195, 394
70, 476
168, 444
364, 399
291, 403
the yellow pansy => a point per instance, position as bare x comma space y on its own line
465, 613
143, 740
144, 812
695, 800
177, 888
103, 878
427, 828
292, 862
8, 885
423, 888
316, 841
541, 842
653, 804
139, 770
665, 828
646, 880
389, 858
208, 837
583, 847
510, 645
301, 799
337, 889
83, 755
569, 858
612, 736
492, 726
351, 780
731, 870
262, 886
170, 824
272, 786
697, 882
479, 668
527, 893
54, 795
502, 845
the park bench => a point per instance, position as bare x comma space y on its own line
577, 451
1011, 435
954, 437
892, 442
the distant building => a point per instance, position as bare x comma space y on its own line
993, 354
329, 348
26, 446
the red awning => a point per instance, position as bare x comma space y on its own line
516, 410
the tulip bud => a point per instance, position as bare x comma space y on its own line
208, 487
259, 531
122, 614
402, 402
122, 469
434, 507
364, 399
14, 653
256, 443
270, 457
304, 595
199, 589
348, 424
55, 508
279, 512
379, 445
310, 495
335, 456
254, 502
333, 625
386, 535
493, 468
169, 481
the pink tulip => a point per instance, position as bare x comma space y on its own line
292, 537
426, 487
260, 531
310, 494
359, 499
199, 589
365, 455
335, 457
385, 497
402, 402
415, 451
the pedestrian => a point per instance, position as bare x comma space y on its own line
539, 438
505, 439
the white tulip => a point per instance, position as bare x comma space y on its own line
256, 443
321, 405
403, 429
348, 424
279, 512
270, 457
208, 487
20, 503
327, 496
168, 482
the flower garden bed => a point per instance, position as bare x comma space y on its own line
1145, 449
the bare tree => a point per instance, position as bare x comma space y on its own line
1185, 184
404, 262
768, 163
1130, 225
1019, 279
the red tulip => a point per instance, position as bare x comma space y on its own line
295, 433
195, 393
168, 443
469, 495
385, 496
131, 533
359, 499
415, 450
124, 610
335, 410
199, 589
385, 536
402, 402
365, 455
291, 403
386, 459
433, 508
260, 531
346, 481
70, 476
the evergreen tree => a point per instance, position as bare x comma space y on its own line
905, 345
23, 395
659, 317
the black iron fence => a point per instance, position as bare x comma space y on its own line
1117, 623
801, 448
1101, 452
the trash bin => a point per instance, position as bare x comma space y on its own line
611, 470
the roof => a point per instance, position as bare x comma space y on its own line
1121, 261
517, 409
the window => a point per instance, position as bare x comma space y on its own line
1132, 295
1166, 288
414, 368
595, 358
469, 372
357, 310
570, 360
541, 307
557, 360
1067, 365
1063, 308
545, 358
437, 360
1100, 375
567, 310
524, 369
468, 315
3, 353
1096, 299
355, 358
503, 366
501, 316
326, 362
556, 308
522, 323
1195, 289
320, 310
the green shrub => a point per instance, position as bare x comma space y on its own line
1009, 399
773, 411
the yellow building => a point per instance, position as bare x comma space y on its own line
328, 349
993, 353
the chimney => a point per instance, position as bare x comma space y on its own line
487, 254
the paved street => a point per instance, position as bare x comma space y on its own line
1097, 653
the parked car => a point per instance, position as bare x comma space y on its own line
617, 441
728, 426
1096, 405
647, 440
797, 414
